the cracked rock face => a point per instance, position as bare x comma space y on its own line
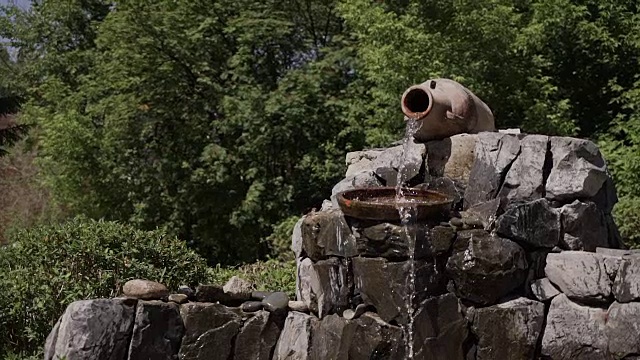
533, 224
579, 275
209, 329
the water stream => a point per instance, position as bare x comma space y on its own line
407, 211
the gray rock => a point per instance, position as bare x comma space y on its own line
294, 342
350, 314
332, 338
299, 306
615, 239
178, 298
525, 178
260, 295
391, 241
617, 252
626, 286
50, 343
544, 290
252, 306
93, 329
157, 331
440, 329
441, 239
258, 337
359, 161
145, 290
611, 266
484, 214
211, 294
452, 157
209, 329
485, 268
580, 275
238, 289
623, 328
533, 224
508, 330
327, 233
607, 197
296, 238
386, 285
578, 172
324, 286
376, 339
494, 154
574, 331
362, 179
183, 289
387, 163
278, 301
584, 227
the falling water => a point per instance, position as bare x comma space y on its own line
407, 212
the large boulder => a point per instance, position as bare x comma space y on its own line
325, 286
326, 233
579, 170
584, 227
387, 164
93, 329
157, 331
626, 286
623, 329
391, 241
258, 337
525, 178
485, 268
376, 339
494, 154
575, 332
332, 338
359, 161
294, 342
580, 275
440, 329
145, 289
534, 224
452, 158
386, 285
210, 330
508, 330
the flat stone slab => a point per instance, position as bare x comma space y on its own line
145, 290
580, 275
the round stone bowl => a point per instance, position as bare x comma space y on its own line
379, 203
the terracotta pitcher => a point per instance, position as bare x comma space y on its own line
445, 108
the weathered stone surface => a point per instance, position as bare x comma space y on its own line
258, 337
178, 298
209, 331
485, 268
385, 285
93, 329
50, 343
452, 157
157, 331
626, 286
607, 197
145, 290
440, 329
574, 331
252, 306
296, 238
294, 342
387, 163
544, 290
441, 238
324, 286
360, 180
617, 252
278, 301
260, 295
326, 233
390, 241
508, 330
299, 306
532, 224
351, 314
186, 290
623, 329
376, 339
580, 275
494, 154
525, 178
584, 227
238, 289
578, 172
332, 338
211, 293
359, 161
484, 214
615, 239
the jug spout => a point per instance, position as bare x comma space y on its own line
445, 108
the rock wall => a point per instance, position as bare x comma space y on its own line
524, 267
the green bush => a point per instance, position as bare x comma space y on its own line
47, 267
270, 275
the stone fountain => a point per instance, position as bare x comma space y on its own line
511, 252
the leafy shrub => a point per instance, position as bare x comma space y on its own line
270, 275
280, 239
47, 267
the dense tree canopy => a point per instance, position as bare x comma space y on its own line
220, 120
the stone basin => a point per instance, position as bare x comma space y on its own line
379, 203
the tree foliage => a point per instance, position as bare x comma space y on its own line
220, 121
